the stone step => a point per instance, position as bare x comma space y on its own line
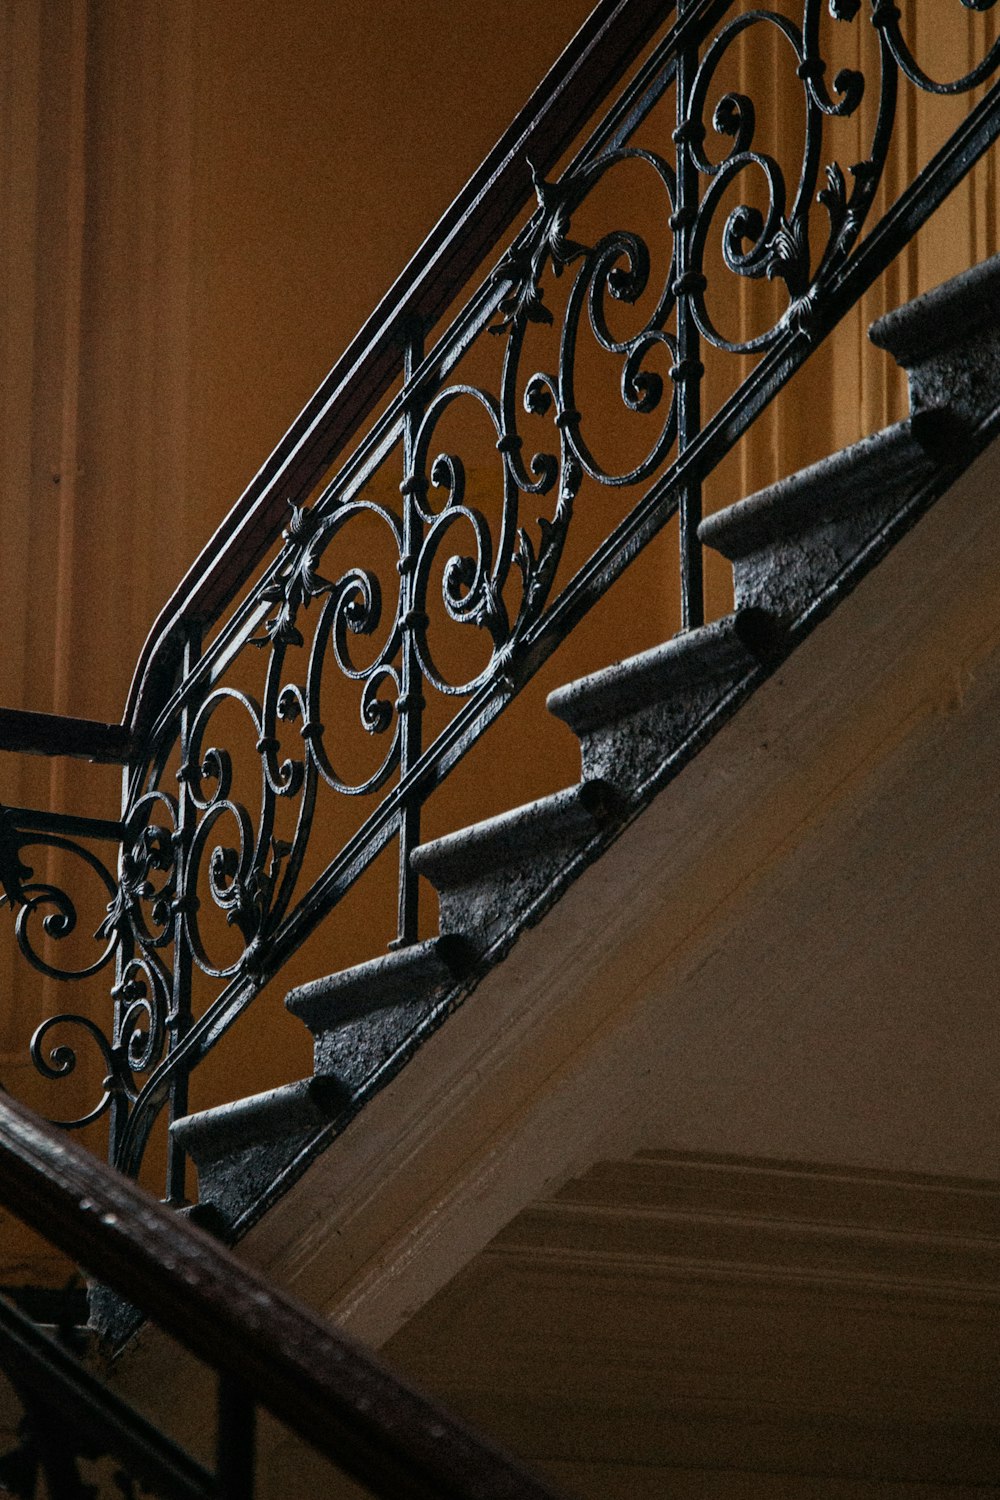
631, 718
792, 542
490, 877
948, 342
361, 1017
241, 1148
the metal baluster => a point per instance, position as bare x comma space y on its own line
236, 1435
119, 1108
689, 370
411, 700
179, 1017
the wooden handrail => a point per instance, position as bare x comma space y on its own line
326, 1388
577, 83
57, 734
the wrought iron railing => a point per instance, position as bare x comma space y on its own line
262, 1349
432, 587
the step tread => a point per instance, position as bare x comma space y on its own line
734, 644
378, 984
945, 315
225, 1129
815, 494
479, 851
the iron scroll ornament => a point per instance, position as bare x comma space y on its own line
233, 838
45, 916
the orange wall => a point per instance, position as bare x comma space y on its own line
327, 140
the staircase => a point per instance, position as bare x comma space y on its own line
548, 912
797, 550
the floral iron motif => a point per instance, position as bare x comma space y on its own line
524, 265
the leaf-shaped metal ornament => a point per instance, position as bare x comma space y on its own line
296, 581
788, 256
523, 267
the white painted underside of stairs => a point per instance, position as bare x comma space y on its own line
792, 953
680, 1327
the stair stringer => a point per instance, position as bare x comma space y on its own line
549, 1067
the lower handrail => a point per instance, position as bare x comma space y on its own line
320, 1384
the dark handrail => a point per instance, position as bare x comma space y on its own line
58, 734
323, 1386
575, 85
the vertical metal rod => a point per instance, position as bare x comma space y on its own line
118, 1113
689, 370
179, 1017
236, 1436
411, 700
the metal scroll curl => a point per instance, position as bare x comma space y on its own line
140, 901
59, 1060
353, 608
48, 914
889, 19
775, 241
142, 995
143, 899
618, 267
41, 903
45, 916
231, 857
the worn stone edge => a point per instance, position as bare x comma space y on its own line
211, 1134
377, 984
480, 850
735, 643
917, 331
825, 489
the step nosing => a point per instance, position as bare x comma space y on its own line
816, 494
942, 316
407, 974
552, 823
275, 1114
711, 653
